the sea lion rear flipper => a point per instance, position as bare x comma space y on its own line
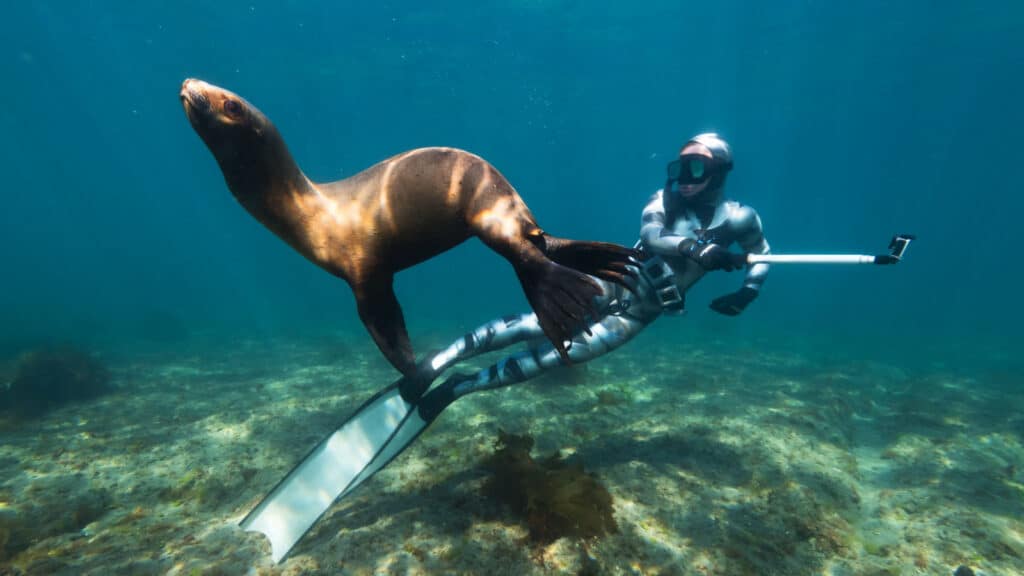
561, 298
601, 259
382, 315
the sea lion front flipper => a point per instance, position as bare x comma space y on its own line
560, 297
601, 259
382, 315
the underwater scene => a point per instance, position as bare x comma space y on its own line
524, 287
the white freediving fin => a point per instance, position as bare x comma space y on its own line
377, 432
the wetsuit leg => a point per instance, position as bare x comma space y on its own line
608, 334
494, 335
614, 329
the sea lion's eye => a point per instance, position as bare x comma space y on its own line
233, 108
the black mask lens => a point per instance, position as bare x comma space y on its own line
695, 168
690, 169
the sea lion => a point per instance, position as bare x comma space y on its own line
395, 214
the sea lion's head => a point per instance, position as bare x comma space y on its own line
251, 153
230, 126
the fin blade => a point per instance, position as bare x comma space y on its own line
408, 431
383, 427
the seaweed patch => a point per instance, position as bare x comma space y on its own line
50, 377
555, 497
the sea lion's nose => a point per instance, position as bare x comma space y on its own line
192, 93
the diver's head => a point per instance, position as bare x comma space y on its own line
698, 175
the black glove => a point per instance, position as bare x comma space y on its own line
733, 304
711, 256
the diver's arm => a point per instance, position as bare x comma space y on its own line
750, 236
662, 241
656, 238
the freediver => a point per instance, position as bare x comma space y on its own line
686, 230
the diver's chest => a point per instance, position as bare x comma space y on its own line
717, 232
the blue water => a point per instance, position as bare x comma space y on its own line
849, 122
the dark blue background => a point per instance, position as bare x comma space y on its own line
849, 121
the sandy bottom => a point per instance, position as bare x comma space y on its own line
723, 462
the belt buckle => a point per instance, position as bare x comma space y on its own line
671, 299
660, 275
655, 269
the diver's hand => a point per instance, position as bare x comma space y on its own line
733, 304
710, 256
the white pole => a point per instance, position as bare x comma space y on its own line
810, 259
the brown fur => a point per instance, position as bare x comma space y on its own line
393, 215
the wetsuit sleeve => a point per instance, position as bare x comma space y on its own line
751, 238
656, 238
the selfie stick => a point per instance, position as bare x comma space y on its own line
897, 246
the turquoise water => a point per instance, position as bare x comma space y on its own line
849, 122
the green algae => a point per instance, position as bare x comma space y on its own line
556, 498
49, 377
